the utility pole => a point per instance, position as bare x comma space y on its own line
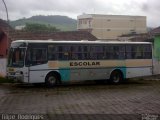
8, 27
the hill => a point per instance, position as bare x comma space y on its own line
63, 23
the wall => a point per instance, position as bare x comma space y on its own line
3, 47
3, 63
110, 27
3, 52
157, 48
156, 55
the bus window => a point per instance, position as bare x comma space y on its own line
138, 52
52, 52
36, 56
76, 53
93, 54
97, 52
121, 53
115, 52
128, 52
63, 52
85, 50
147, 52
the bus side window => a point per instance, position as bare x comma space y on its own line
109, 52
36, 56
129, 53
74, 52
120, 52
112, 52
100, 52
93, 53
138, 49
63, 52
147, 51
52, 52
39, 55
97, 52
85, 52
132, 52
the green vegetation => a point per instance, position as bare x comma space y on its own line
63, 23
5, 80
39, 27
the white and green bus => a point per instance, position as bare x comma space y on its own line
53, 62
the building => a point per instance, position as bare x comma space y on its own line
143, 37
20, 27
4, 35
46, 35
111, 26
155, 33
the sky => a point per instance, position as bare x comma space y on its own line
72, 8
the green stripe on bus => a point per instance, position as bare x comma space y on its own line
65, 74
123, 69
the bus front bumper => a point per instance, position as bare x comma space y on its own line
16, 77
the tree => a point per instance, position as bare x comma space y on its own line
39, 27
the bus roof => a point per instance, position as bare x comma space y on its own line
80, 42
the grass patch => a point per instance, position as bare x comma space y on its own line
5, 80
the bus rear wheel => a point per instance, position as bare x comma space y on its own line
116, 77
51, 80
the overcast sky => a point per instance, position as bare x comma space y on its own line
71, 8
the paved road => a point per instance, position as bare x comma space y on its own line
133, 98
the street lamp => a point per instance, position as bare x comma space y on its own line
6, 10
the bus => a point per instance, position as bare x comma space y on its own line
54, 62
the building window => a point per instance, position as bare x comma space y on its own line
89, 23
80, 21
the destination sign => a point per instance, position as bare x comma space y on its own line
84, 63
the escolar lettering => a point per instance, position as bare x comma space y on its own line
84, 63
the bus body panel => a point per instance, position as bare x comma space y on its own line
138, 67
138, 72
90, 74
87, 69
38, 73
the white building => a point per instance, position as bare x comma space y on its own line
111, 26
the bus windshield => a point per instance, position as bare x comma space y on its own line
16, 57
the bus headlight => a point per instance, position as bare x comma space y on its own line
19, 73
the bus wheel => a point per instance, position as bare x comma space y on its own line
116, 77
51, 80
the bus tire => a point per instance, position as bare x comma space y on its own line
116, 77
51, 80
